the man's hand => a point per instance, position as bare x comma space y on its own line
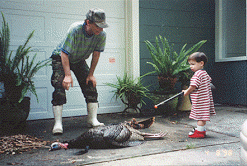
92, 79
67, 81
94, 63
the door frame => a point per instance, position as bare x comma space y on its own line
132, 38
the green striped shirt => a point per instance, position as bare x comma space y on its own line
78, 45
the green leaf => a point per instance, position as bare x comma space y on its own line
17, 69
166, 61
126, 86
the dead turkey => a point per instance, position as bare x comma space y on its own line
111, 136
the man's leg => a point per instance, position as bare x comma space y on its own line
58, 126
92, 120
58, 96
90, 93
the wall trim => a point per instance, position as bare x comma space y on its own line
132, 38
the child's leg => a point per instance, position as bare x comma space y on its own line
200, 131
201, 125
201, 122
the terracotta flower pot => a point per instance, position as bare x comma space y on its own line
184, 104
13, 92
167, 82
134, 100
12, 115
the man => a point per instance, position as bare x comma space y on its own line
82, 40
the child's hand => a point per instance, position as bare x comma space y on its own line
189, 90
185, 92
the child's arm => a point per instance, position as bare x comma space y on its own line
189, 90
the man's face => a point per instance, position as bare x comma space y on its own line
95, 29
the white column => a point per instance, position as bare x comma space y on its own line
132, 38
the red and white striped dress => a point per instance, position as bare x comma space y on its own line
201, 97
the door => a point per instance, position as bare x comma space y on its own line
51, 19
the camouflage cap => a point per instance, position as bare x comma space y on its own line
98, 16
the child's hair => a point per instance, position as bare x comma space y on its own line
198, 57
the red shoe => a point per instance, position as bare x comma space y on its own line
198, 134
190, 133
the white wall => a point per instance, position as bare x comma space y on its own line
50, 19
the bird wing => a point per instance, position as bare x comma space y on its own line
117, 135
120, 136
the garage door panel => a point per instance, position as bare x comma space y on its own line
38, 2
76, 104
108, 103
41, 56
113, 8
39, 109
26, 24
43, 73
65, 3
35, 5
75, 96
45, 7
115, 36
51, 19
110, 62
22, 24
60, 27
106, 96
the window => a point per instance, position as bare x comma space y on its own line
230, 37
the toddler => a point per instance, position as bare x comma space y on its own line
200, 93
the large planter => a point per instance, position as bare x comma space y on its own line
184, 103
167, 82
12, 91
13, 114
134, 100
132, 103
168, 108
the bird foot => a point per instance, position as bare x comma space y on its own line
158, 135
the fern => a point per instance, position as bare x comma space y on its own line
126, 87
18, 71
166, 61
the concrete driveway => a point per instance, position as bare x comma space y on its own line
220, 147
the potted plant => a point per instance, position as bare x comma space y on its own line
16, 73
168, 64
130, 91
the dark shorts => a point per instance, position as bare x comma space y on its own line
81, 71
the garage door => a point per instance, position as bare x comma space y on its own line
51, 19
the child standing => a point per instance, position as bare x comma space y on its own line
200, 93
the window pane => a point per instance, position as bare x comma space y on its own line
234, 28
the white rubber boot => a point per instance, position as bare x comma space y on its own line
92, 115
58, 127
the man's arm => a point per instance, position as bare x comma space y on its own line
66, 67
94, 62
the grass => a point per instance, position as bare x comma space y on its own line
190, 146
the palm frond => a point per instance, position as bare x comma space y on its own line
166, 61
18, 70
126, 86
